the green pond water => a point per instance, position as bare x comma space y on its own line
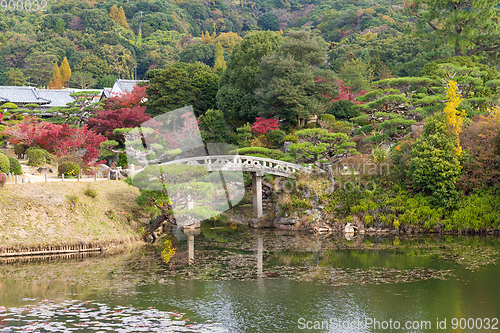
226, 280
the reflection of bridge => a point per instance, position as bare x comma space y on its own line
256, 165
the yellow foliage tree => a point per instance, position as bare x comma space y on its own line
118, 15
219, 57
228, 40
65, 72
55, 82
113, 13
205, 37
454, 117
122, 19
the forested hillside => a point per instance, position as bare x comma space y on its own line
107, 40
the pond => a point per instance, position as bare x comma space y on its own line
238, 280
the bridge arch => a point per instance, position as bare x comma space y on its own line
257, 166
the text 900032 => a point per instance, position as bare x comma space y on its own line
20, 5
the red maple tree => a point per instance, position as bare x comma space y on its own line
58, 139
121, 111
345, 92
263, 126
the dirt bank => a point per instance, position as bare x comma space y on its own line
67, 213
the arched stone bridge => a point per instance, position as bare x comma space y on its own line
258, 166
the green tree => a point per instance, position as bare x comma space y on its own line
269, 21
238, 82
107, 81
179, 85
82, 80
15, 77
434, 166
94, 65
357, 75
169, 89
60, 26
38, 65
470, 26
291, 85
204, 53
213, 126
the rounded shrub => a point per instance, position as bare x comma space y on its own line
275, 154
15, 166
343, 109
37, 156
276, 137
327, 117
292, 138
68, 169
20, 149
4, 163
75, 159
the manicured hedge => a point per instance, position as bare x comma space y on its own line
15, 166
4, 163
68, 169
37, 156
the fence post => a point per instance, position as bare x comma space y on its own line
109, 174
95, 176
45, 177
16, 179
62, 177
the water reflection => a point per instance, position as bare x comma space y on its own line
260, 254
261, 281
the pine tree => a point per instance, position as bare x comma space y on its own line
55, 82
65, 72
219, 57
122, 19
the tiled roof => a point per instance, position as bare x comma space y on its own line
106, 92
122, 86
21, 95
57, 97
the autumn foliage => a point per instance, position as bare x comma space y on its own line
262, 126
122, 111
481, 141
58, 139
346, 94
454, 117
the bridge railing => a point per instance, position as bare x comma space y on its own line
247, 163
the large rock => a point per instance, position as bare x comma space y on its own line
260, 223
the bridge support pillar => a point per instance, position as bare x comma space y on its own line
257, 193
